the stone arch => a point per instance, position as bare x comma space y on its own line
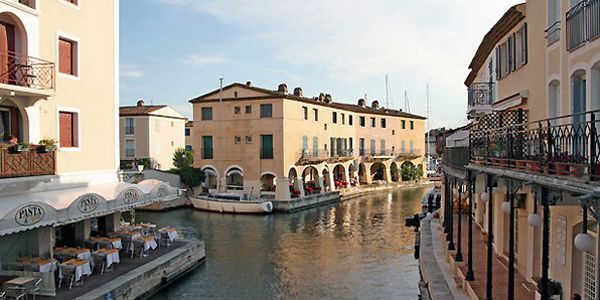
232, 167
326, 179
395, 172
211, 177
20, 42
267, 182
363, 175
234, 177
378, 171
405, 164
352, 179
339, 176
310, 173
292, 174
16, 115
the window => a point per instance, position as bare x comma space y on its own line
403, 122
373, 122
172, 143
238, 139
129, 125
315, 145
172, 124
248, 139
237, 110
74, 2
68, 130
304, 144
382, 145
206, 114
325, 126
129, 148
343, 119
362, 121
393, 132
361, 146
412, 147
207, 147
334, 117
266, 146
589, 276
266, 110
304, 112
235, 94
30, 3
188, 132
373, 147
350, 143
67, 56
403, 146
248, 109
383, 123
316, 113
412, 125
512, 54
350, 120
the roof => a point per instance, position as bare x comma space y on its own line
509, 20
276, 94
189, 124
143, 110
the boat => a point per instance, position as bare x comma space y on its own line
231, 203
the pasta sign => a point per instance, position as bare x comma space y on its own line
29, 215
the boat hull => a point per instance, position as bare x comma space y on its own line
232, 206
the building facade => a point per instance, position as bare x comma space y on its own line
254, 139
533, 149
189, 136
151, 132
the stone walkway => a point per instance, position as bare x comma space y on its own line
523, 289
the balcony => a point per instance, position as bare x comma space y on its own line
480, 98
563, 146
583, 23
314, 156
31, 160
457, 157
26, 75
553, 33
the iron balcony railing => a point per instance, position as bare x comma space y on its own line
457, 157
566, 145
389, 152
553, 33
26, 160
26, 71
583, 23
342, 153
313, 155
481, 93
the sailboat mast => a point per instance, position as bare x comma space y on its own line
387, 96
427, 133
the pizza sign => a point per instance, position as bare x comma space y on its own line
88, 204
131, 196
29, 215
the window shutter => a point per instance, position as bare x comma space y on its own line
65, 57
498, 66
524, 46
66, 129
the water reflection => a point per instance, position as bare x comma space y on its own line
355, 250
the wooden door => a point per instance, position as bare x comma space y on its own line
65, 60
7, 47
66, 129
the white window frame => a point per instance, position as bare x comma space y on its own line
134, 147
73, 110
77, 44
126, 119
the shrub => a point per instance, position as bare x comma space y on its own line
191, 177
182, 158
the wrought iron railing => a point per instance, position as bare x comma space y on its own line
313, 155
457, 157
566, 145
583, 23
26, 71
481, 93
342, 153
553, 33
29, 160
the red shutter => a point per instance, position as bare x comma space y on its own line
65, 57
3, 54
66, 129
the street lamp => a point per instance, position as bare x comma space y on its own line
584, 241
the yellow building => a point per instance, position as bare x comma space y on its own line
151, 132
255, 139
533, 91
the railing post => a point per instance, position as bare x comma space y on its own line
593, 140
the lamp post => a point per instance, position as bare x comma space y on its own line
470, 276
545, 246
450, 238
511, 243
490, 254
459, 256
446, 197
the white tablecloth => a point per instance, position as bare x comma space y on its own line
112, 258
117, 244
84, 269
150, 244
46, 268
171, 233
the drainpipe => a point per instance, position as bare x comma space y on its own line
470, 276
490, 235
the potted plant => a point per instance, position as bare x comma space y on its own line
47, 145
18, 148
554, 289
497, 153
533, 164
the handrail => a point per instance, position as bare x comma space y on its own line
539, 121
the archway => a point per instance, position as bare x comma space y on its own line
327, 184
234, 179
395, 172
408, 171
339, 177
210, 178
310, 176
362, 173
292, 175
13, 50
352, 175
267, 182
12, 121
378, 171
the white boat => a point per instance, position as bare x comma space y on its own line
231, 203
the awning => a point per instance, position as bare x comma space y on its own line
458, 139
64, 206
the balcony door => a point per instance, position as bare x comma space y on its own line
7, 47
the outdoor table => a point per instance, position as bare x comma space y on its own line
80, 253
21, 281
112, 256
82, 267
149, 242
170, 231
115, 241
131, 234
43, 265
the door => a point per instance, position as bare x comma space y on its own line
7, 46
66, 129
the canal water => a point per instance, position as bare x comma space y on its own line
359, 249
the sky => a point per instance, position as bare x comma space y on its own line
175, 50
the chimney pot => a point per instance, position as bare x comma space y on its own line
282, 88
140, 103
327, 98
361, 102
248, 83
375, 104
298, 92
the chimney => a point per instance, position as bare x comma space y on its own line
361, 102
321, 97
298, 92
140, 103
282, 88
375, 104
327, 98
248, 83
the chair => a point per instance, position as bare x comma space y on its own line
106, 245
165, 239
2, 295
34, 289
89, 244
138, 246
126, 241
99, 261
68, 272
15, 292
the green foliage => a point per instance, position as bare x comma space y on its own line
191, 177
411, 172
47, 142
182, 158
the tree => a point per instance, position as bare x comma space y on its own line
182, 158
191, 177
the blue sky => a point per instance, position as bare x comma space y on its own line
174, 50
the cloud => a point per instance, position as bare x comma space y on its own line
129, 71
199, 60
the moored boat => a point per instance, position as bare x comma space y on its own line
231, 203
